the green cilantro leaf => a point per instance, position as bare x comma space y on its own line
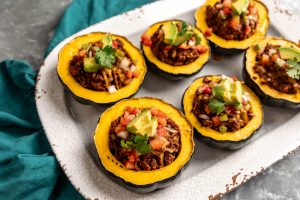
106, 57
294, 69
97, 48
216, 106
184, 28
107, 40
139, 142
237, 105
218, 92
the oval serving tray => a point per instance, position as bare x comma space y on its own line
69, 125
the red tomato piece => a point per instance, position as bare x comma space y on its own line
146, 39
129, 165
208, 32
216, 121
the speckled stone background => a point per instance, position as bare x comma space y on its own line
25, 29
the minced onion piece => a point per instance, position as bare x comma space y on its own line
123, 134
90, 54
280, 62
201, 89
272, 51
112, 89
191, 43
132, 68
224, 77
124, 64
168, 128
203, 116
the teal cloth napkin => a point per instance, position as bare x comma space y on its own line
28, 168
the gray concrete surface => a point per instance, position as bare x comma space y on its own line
25, 28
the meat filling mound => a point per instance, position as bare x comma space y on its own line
272, 70
120, 74
172, 55
230, 119
138, 152
224, 21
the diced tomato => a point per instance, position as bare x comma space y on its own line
206, 109
265, 59
234, 78
135, 111
216, 120
82, 53
247, 30
274, 57
208, 32
129, 165
154, 111
206, 90
146, 39
234, 22
131, 157
115, 44
252, 10
243, 102
162, 121
136, 73
129, 109
129, 74
227, 3
168, 47
227, 10
231, 109
119, 128
161, 131
183, 46
155, 144
201, 49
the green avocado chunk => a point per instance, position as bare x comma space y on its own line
170, 30
289, 53
181, 39
240, 6
233, 92
143, 124
90, 65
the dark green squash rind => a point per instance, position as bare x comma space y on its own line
265, 98
222, 144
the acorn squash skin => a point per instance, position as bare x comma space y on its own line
86, 96
137, 183
223, 143
277, 99
154, 64
226, 47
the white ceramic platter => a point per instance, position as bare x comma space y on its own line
69, 125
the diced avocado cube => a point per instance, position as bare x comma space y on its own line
289, 53
236, 92
223, 129
224, 118
240, 6
181, 39
143, 124
227, 86
170, 30
90, 65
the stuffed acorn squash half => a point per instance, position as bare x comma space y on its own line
101, 68
143, 143
272, 70
232, 26
223, 110
175, 48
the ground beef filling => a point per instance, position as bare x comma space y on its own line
104, 77
236, 118
172, 55
272, 74
150, 161
229, 26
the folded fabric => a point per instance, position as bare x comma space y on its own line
28, 168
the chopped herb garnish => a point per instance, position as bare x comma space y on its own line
139, 142
294, 69
106, 57
184, 28
107, 40
86, 46
216, 106
237, 105
97, 48
218, 92
198, 39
